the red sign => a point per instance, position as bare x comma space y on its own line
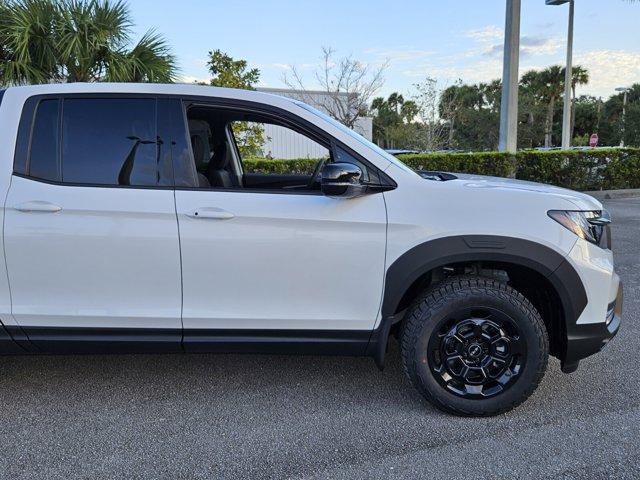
593, 141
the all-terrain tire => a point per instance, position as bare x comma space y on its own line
436, 306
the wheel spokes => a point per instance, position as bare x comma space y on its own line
478, 356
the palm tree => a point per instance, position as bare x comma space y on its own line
579, 76
77, 41
27, 49
546, 85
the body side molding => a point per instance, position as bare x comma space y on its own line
72, 340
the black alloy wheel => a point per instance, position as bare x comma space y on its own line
477, 353
474, 346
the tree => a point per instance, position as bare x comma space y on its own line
435, 111
77, 41
610, 128
579, 76
547, 86
348, 85
228, 72
231, 73
587, 117
472, 115
394, 122
27, 52
531, 126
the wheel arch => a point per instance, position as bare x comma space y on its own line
410, 272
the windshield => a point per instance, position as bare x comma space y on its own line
356, 136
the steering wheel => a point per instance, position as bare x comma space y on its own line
316, 173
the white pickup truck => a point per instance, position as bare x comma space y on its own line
154, 218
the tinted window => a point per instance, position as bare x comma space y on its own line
43, 158
111, 142
175, 146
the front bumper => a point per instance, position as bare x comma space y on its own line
584, 340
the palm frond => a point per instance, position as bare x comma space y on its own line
150, 60
78, 40
25, 36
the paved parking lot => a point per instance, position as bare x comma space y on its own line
228, 416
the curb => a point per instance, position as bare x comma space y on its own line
613, 194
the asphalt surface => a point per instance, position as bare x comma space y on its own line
229, 416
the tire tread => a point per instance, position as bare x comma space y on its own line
454, 288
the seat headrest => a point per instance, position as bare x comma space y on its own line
219, 158
200, 132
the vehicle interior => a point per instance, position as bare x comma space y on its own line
227, 144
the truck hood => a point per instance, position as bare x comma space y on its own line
580, 200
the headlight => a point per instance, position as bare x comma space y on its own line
592, 226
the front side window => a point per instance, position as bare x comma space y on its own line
268, 148
248, 150
356, 136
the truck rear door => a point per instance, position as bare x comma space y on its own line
90, 233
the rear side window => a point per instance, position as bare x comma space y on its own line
111, 142
93, 141
44, 153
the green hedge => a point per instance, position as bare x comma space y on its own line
597, 169
483, 163
297, 166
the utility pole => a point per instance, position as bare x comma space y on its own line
509, 105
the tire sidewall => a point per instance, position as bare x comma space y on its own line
535, 358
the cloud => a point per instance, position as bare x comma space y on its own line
609, 69
483, 70
487, 34
489, 42
529, 46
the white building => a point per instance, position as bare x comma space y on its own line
284, 143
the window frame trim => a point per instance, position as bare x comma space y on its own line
27, 161
295, 123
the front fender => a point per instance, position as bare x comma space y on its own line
427, 256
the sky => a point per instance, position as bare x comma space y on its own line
443, 39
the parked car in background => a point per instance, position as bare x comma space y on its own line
396, 152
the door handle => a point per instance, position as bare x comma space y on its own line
38, 206
211, 213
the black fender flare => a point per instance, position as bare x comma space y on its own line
422, 258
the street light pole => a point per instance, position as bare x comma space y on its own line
624, 112
568, 79
509, 105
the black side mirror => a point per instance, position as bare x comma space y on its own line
343, 180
